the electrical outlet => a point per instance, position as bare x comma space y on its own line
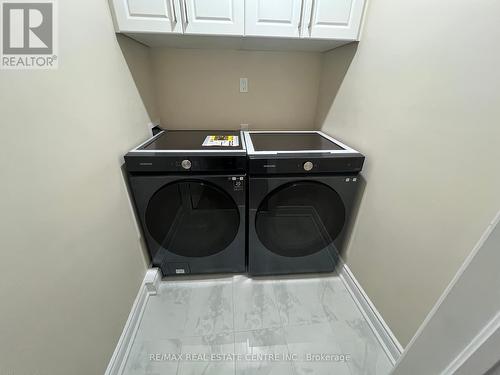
243, 84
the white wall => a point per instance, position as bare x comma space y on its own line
470, 304
138, 58
199, 88
421, 101
70, 260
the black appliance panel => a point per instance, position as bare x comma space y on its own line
298, 224
192, 218
165, 162
299, 218
308, 164
194, 224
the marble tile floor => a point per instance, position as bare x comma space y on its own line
263, 326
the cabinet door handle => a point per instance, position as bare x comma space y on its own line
301, 11
311, 18
172, 6
186, 12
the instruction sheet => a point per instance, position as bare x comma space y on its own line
221, 141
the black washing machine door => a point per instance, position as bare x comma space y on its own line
297, 224
192, 225
192, 218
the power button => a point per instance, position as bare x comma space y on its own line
308, 166
186, 164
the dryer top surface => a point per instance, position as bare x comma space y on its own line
293, 142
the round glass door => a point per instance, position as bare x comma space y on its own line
192, 218
300, 218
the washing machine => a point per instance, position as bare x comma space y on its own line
301, 190
189, 190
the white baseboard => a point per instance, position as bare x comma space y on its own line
384, 334
148, 288
482, 349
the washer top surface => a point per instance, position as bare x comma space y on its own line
293, 142
189, 151
191, 140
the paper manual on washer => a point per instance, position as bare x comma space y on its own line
221, 141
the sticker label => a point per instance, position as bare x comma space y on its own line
221, 141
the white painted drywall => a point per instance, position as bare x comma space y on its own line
421, 100
70, 260
199, 88
138, 58
470, 302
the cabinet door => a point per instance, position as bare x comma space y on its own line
156, 16
277, 18
214, 17
334, 19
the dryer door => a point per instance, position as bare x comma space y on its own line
192, 218
300, 218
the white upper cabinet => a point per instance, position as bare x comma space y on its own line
275, 18
334, 19
214, 17
308, 25
158, 16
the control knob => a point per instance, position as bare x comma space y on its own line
186, 164
308, 166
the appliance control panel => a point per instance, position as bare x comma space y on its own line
238, 182
306, 165
184, 164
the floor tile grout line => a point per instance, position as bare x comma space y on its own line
183, 328
244, 331
257, 329
181, 346
292, 364
178, 367
275, 301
